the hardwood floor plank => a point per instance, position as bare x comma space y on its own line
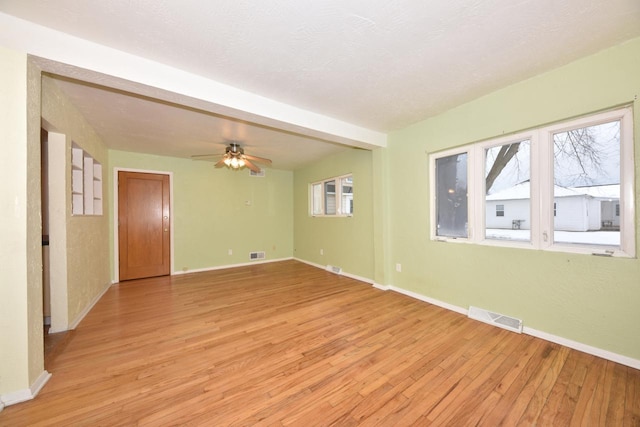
585, 412
616, 407
539, 398
632, 401
288, 344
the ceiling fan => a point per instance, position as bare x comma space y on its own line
234, 158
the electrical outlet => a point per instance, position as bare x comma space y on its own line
230, 251
321, 251
399, 268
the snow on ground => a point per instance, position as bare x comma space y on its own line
609, 238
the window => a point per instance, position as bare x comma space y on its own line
451, 197
330, 204
586, 158
508, 191
507, 183
316, 199
332, 197
346, 192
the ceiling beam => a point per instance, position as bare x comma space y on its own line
76, 58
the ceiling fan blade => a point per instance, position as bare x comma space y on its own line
205, 156
220, 163
251, 166
258, 159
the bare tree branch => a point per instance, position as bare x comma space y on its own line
505, 154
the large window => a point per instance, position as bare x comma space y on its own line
565, 187
332, 197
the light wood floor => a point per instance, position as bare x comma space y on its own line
289, 344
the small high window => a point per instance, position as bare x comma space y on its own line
332, 197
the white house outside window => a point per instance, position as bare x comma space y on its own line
564, 187
332, 197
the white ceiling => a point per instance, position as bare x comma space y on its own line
380, 65
133, 123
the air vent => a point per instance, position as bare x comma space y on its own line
334, 269
499, 320
260, 173
256, 255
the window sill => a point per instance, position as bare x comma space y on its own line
600, 251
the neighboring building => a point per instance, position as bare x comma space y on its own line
575, 208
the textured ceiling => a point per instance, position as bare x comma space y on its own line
378, 64
133, 123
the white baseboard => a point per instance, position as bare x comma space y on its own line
88, 308
19, 396
585, 348
312, 264
359, 278
222, 267
381, 287
430, 300
344, 273
595, 351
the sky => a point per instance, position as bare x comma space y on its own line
570, 169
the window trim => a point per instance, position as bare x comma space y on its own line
338, 195
541, 196
433, 202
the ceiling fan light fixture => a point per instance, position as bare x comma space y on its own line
234, 158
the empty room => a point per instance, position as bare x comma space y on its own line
320, 213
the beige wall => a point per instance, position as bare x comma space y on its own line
34, 225
87, 237
21, 348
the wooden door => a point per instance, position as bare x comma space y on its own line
143, 226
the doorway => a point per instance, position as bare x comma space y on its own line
143, 224
44, 188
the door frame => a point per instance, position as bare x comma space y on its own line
116, 238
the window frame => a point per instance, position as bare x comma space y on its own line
542, 189
433, 202
338, 196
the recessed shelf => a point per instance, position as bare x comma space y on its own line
86, 183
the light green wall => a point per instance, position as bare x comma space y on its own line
347, 242
87, 244
215, 210
591, 300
